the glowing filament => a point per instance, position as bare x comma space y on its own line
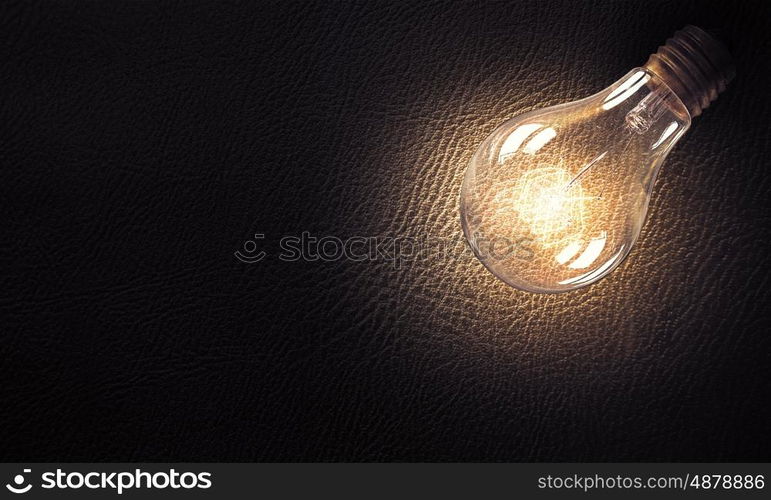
549, 204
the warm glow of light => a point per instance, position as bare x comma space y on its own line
547, 202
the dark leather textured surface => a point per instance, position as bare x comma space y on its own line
143, 143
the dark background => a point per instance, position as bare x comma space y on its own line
143, 143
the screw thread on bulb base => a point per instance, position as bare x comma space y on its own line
695, 66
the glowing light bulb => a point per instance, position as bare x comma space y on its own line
553, 200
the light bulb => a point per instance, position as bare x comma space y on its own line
554, 199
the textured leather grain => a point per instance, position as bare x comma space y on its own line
143, 143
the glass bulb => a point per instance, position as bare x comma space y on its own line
554, 199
